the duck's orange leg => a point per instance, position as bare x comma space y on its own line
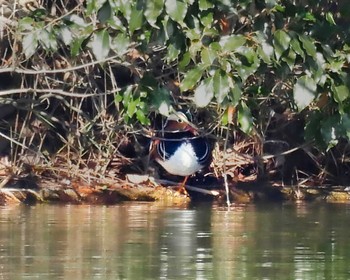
181, 188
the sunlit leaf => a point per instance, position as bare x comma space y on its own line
204, 93
341, 93
244, 117
142, 118
222, 85
75, 46
330, 18
232, 42
136, 19
30, 43
308, 45
120, 43
66, 35
208, 56
290, 58
207, 19
266, 52
295, 44
26, 23
317, 67
153, 10
281, 41
304, 92
94, 5
191, 78
160, 99
76, 20
131, 108
172, 53
176, 9
100, 44
309, 17
184, 61
204, 5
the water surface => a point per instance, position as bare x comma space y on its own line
146, 241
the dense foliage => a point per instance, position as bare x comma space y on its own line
249, 63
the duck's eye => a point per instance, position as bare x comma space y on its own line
180, 121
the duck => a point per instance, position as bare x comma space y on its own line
180, 149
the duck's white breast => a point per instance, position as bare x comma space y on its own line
183, 162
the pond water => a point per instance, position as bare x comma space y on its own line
148, 241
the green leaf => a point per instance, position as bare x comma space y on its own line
249, 62
160, 99
94, 5
309, 17
75, 46
120, 43
142, 118
26, 24
204, 5
281, 42
172, 53
244, 117
208, 56
341, 93
295, 44
136, 19
30, 43
184, 61
204, 93
191, 78
66, 35
124, 6
105, 12
207, 19
313, 129
330, 18
100, 44
176, 9
231, 43
331, 130
290, 59
345, 122
308, 45
132, 107
194, 48
153, 9
265, 51
304, 92
236, 93
75, 19
222, 85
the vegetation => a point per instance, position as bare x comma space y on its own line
83, 82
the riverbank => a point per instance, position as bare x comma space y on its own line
146, 188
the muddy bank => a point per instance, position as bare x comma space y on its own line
147, 188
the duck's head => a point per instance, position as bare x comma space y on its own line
178, 121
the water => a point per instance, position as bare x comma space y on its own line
146, 241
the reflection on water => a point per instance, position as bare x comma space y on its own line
145, 241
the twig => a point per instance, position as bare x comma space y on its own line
18, 143
228, 202
55, 71
5, 181
191, 188
55, 91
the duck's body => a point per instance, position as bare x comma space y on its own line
183, 153
180, 150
